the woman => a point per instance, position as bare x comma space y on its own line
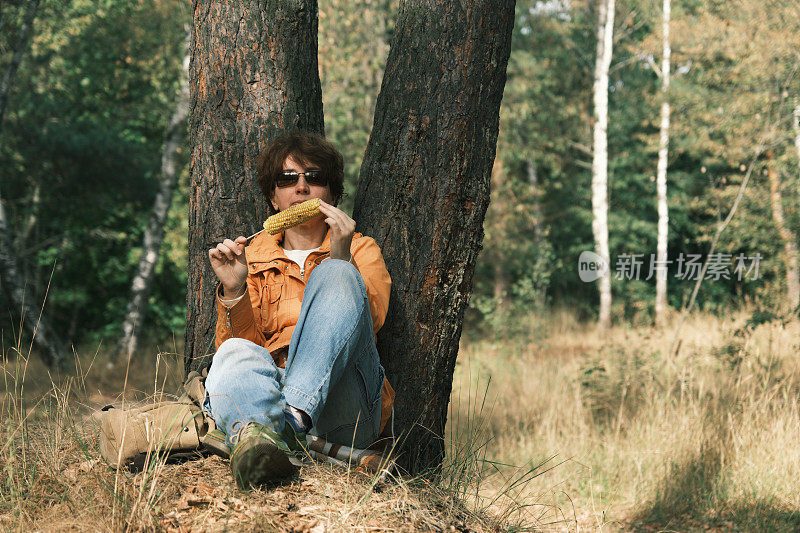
297, 317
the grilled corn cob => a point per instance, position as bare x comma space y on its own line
297, 214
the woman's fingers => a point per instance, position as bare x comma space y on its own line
228, 250
235, 248
342, 229
335, 215
225, 252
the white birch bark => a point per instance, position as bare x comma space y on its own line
605, 33
661, 175
154, 234
13, 285
533, 180
787, 235
796, 126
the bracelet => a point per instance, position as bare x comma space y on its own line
242, 286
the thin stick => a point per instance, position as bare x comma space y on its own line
250, 238
671, 354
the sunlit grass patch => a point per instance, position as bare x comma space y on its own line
640, 438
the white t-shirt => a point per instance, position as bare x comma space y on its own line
299, 257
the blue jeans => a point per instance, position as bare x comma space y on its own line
332, 373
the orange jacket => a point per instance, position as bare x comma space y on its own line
275, 288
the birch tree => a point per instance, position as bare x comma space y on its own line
787, 235
154, 233
605, 34
796, 128
11, 278
661, 173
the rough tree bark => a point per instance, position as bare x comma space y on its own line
787, 235
605, 33
253, 75
423, 193
661, 174
154, 233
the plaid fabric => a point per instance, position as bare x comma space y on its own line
375, 460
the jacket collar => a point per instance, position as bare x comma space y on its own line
265, 247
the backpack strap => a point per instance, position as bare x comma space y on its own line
211, 438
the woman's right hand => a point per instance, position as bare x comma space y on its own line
230, 265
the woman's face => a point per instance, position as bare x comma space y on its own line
283, 197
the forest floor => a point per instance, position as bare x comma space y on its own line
560, 428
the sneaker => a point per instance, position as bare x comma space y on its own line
262, 456
294, 438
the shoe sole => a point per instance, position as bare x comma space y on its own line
260, 462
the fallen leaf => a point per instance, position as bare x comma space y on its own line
72, 473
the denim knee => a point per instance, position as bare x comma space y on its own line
339, 278
234, 354
231, 347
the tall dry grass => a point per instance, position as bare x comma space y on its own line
621, 436
52, 479
570, 429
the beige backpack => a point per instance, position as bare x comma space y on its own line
130, 434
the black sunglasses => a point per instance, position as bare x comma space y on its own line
288, 178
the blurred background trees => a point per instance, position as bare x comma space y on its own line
80, 154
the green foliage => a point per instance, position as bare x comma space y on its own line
80, 151
85, 125
353, 46
728, 85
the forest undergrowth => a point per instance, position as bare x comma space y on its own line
567, 429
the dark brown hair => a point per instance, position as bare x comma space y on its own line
308, 149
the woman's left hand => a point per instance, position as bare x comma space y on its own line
342, 229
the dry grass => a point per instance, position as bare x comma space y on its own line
709, 440
605, 433
51, 477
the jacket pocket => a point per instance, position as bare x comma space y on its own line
269, 307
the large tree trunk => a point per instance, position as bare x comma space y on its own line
423, 193
154, 233
787, 235
605, 32
661, 175
253, 75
